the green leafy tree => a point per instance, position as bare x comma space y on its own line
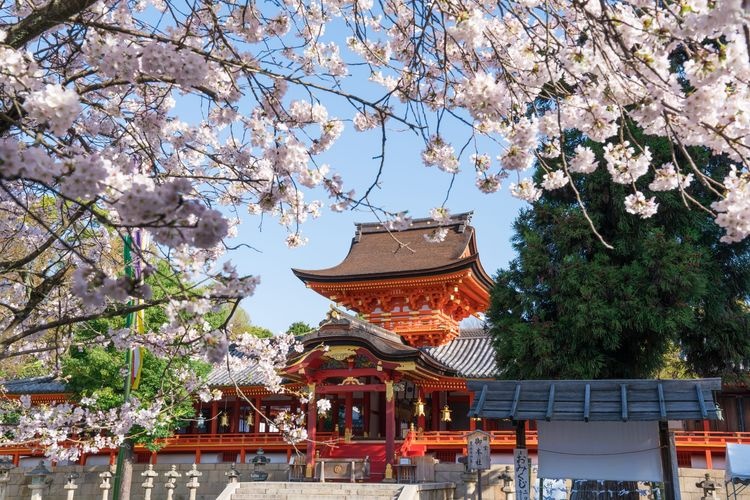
567, 307
97, 371
299, 328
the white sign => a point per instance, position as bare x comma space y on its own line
479, 450
616, 451
523, 473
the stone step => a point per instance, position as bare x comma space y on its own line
318, 491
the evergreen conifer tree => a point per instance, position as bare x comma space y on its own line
567, 307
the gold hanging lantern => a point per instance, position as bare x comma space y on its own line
224, 420
445, 414
249, 420
419, 408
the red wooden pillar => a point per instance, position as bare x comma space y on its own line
154, 457
366, 414
312, 421
472, 422
197, 456
435, 410
709, 457
348, 414
420, 418
256, 412
235, 423
81, 461
214, 417
390, 422
242, 455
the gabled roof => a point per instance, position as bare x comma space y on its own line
343, 329
471, 354
36, 385
595, 400
249, 375
378, 253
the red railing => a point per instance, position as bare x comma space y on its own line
712, 439
241, 439
683, 439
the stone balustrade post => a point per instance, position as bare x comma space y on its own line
171, 483
232, 474
105, 486
148, 484
38, 475
193, 483
70, 484
5, 467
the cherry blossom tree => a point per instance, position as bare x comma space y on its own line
163, 120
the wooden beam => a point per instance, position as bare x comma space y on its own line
550, 403
587, 403
662, 404
482, 399
624, 401
516, 397
336, 389
701, 403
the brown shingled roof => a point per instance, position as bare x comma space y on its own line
377, 252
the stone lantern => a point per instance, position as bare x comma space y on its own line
5, 467
38, 475
708, 486
259, 462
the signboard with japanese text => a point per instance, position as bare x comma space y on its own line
523, 473
479, 450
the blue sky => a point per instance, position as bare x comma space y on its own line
406, 185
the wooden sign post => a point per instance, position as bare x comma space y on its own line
479, 455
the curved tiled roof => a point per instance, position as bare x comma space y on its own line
250, 375
471, 354
36, 385
377, 252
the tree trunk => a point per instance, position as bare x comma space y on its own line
125, 471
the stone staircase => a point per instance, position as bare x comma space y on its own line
317, 491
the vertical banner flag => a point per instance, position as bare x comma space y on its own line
135, 320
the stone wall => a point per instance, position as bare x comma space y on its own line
212, 482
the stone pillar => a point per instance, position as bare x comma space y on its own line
193, 483
70, 485
105, 486
171, 483
148, 483
312, 425
5, 467
38, 477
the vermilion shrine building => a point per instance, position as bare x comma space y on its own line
395, 374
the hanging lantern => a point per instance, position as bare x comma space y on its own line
445, 414
224, 420
249, 420
419, 408
201, 421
